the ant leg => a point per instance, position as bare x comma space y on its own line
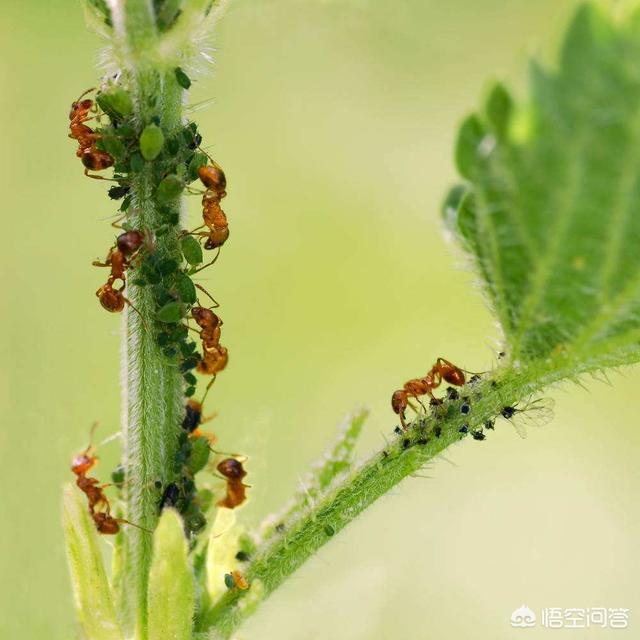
413, 406
95, 176
215, 302
208, 263
209, 418
116, 223
206, 391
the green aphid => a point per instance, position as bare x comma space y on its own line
171, 312
191, 250
117, 476
151, 142
189, 363
194, 521
185, 288
169, 189
170, 352
187, 348
116, 103
199, 454
205, 499
136, 163
189, 378
113, 146
167, 266
182, 78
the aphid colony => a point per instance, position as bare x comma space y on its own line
108, 136
533, 413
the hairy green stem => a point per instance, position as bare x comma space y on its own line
152, 385
406, 455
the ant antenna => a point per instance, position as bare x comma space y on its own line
111, 438
137, 526
241, 458
82, 95
92, 432
144, 322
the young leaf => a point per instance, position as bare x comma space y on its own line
221, 551
335, 462
551, 213
92, 595
171, 590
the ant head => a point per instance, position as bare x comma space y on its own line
106, 523
96, 160
216, 238
129, 242
213, 178
79, 106
398, 401
82, 463
110, 299
232, 469
452, 374
205, 317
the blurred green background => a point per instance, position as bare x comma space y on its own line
334, 122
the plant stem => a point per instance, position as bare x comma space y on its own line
408, 453
152, 385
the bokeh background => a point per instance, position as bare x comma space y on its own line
334, 122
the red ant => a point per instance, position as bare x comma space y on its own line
233, 471
441, 370
118, 259
91, 487
213, 178
214, 356
92, 158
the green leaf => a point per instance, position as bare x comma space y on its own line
171, 589
92, 594
221, 551
151, 141
335, 462
551, 209
191, 250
